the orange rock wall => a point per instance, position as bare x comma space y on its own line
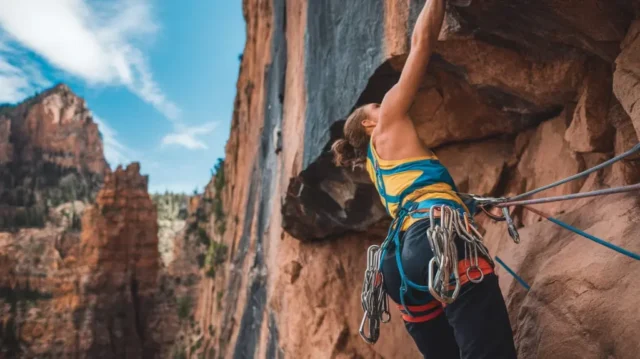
50, 153
85, 293
80, 274
517, 95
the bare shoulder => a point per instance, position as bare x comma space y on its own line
398, 140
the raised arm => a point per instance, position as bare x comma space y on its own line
398, 100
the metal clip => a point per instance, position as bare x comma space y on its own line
372, 338
513, 231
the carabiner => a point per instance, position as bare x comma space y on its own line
513, 231
373, 337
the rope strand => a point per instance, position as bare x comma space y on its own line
602, 192
635, 149
513, 274
586, 235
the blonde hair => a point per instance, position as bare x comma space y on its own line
351, 151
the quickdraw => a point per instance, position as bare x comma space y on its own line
375, 302
444, 264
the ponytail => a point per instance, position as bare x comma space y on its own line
345, 155
351, 151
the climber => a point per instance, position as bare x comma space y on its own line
383, 139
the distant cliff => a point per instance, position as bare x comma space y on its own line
50, 153
517, 95
80, 268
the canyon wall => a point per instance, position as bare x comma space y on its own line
50, 153
80, 268
518, 94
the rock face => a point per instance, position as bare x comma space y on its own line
571, 279
518, 94
120, 247
50, 153
89, 292
81, 274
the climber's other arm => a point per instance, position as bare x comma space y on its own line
398, 100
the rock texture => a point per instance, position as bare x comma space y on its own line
627, 72
120, 246
84, 293
80, 268
569, 312
50, 153
517, 95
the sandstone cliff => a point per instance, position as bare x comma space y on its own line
80, 268
518, 94
85, 293
50, 153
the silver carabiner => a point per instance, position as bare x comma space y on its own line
372, 338
513, 231
432, 290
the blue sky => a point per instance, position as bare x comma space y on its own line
158, 75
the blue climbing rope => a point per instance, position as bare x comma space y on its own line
513, 274
586, 235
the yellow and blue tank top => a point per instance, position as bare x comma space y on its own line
422, 180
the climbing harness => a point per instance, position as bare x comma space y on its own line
443, 278
444, 281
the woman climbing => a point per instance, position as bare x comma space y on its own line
419, 194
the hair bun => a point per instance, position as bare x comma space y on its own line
343, 153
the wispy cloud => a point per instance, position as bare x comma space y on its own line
114, 151
93, 41
188, 136
18, 78
96, 41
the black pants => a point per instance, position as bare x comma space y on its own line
475, 326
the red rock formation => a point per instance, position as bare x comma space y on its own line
92, 288
50, 153
120, 249
519, 94
89, 293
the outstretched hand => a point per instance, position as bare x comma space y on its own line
399, 99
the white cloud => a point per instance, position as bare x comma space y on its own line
18, 78
187, 136
97, 41
93, 41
